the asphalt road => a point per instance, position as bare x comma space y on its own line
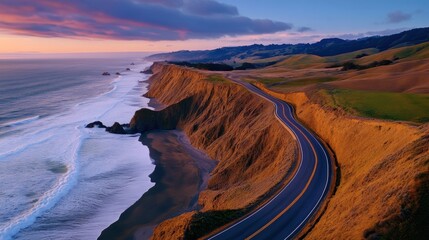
288, 212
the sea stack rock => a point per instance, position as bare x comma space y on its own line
147, 71
116, 128
95, 124
128, 69
118, 73
106, 74
132, 64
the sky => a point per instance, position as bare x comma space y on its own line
71, 26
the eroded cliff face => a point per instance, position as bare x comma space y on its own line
237, 128
384, 174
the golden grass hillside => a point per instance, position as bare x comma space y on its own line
384, 167
404, 76
415, 52
408, 73
300, 61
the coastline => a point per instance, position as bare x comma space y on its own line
77, 178
181, 172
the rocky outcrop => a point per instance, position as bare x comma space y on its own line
95, 124
147, 71
116, 128
256, 153
166, 119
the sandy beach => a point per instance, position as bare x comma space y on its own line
181, 172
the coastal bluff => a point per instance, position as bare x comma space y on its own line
379, 161
256, 154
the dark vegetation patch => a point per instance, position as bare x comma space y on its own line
203, 223
223, 66
352, 66
206, 66
361, 55
246, 66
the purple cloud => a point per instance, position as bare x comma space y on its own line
304, 29
130, 19
398, 16
209, 8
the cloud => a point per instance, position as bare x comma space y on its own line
304, 29
210, 8
398, 16
131, 19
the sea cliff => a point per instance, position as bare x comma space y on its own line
256, 153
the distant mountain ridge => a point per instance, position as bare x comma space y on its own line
325, 47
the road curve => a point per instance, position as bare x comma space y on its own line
288, 212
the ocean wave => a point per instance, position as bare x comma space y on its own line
50, 198
20, 121
67, 126
22, 147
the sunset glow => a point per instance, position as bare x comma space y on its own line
125, 26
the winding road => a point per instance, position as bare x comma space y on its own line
286, 214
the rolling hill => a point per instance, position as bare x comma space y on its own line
325, 47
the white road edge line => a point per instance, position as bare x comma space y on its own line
296, 173
326, 183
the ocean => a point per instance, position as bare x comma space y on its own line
58, 179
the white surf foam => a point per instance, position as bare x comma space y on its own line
50, 197
60, 138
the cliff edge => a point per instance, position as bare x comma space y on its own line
256, 153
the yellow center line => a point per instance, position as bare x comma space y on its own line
302, 192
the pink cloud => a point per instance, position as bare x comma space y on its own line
130, 19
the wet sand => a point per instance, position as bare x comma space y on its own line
181, 172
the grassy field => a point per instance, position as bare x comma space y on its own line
307, 81
416, 52
384, 105
300, 61
351, 55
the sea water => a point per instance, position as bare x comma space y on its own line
58, 179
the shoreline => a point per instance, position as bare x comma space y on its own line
181, 173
